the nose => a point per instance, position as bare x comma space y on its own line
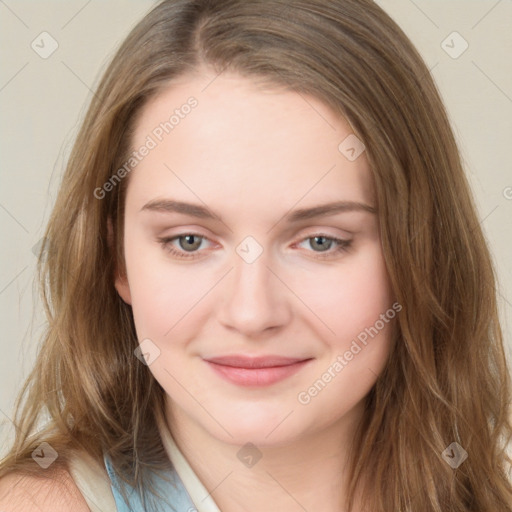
255, 300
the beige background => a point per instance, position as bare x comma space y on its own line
43, 99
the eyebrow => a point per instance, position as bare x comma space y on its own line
196, 210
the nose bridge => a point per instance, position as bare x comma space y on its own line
254, 298
251, 277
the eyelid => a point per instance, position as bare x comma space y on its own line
324, 230
167, 239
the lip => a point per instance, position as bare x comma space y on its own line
256, 371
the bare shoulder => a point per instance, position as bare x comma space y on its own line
55, 492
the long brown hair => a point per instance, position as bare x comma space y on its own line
446, 379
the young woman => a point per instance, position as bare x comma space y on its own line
267, 287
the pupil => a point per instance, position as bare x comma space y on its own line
321, 244
190, 241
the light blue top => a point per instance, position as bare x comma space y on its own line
174, 498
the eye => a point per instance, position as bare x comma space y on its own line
323, 243
188, 244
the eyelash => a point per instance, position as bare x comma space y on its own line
342, 245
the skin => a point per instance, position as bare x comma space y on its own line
251, 156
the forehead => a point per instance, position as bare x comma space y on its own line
242, 146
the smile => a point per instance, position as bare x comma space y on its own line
256, 372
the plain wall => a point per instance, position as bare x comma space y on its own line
43, 99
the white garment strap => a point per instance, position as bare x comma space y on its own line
202, 499
93, 482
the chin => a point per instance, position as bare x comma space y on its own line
260, 426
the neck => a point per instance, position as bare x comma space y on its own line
309, 473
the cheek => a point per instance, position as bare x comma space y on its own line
350, 297
358, 307
161, 293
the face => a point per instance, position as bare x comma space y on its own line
264, 314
